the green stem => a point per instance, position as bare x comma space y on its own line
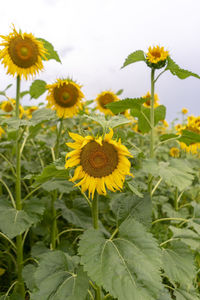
54, 229
95, 211
176, 199
150, 180
95, 218
19, 244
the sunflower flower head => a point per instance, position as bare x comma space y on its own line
29, 111
147, 103
1, 131
174, 152
9, 107
65, 96
156, 57
100, 163
184, 111
22, 54
104, 98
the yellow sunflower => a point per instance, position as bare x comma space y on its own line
156, 54
101, 162
174, 152
184, 110
22, 54
148, 100
9, 106
65, 97
104, 98
1, 131
29, 111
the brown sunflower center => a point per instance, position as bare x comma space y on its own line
156, 54
66, 95
148, 101
23, 52
99, 161
105, 99
8, 107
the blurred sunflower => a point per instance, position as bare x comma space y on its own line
22, 54
9, 106
104, 98
101, 162
1, 131
184, 110
174, 152
65, 97
29, 111
147, 103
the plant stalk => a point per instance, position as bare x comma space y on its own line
19, 245
54, 230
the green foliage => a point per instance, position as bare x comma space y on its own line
134, 57
128, 103
110, 123
176, 70
189, 137
52, 54
122, 277
58, 278
37, 88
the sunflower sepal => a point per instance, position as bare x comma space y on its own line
161, 64
177, 71
51, 54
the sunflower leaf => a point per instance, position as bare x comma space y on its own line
56, 279
52, 54
128, 103
119, 92
127, 266
182, 294
189, 137
177, 71
37, 88
134, 57
178, 263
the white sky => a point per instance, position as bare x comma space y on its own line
93, 38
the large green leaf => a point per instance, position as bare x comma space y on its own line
126, 205
127, 266
52, 54
183, 294
176, 70
41, 115
128, 103
56, 279
178, 264
110, 123
174, 172
187, 236
12, 221
165, 296
50, 172
189, 137
62, 185
134, 57
37, 88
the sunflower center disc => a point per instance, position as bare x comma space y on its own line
99, 161
66, 95
23, 52
105, 99
156, 54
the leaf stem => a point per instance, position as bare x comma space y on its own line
9, 192
169, 219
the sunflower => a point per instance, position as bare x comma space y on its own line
174, 152
65, 97
147, 103
9, 106
22, 54
156, 57
101, 162
184, 110
104, 98
1, 131
29, 111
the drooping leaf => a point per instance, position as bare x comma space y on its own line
128, 103
52, 54
187, 236
56, 280
168, 137
176, 70
134, 57
37, 88
189, 137
127, 266
178, 263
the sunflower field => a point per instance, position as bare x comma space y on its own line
99, 199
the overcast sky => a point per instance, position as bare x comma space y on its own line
94, 37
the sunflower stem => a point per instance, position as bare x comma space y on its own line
176, 199
95, 211
19, 245
150, 184
54, 231
95, 217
